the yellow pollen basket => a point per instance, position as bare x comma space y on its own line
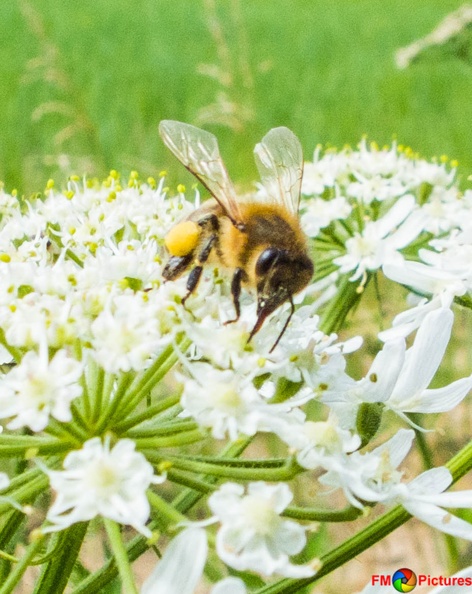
183, 238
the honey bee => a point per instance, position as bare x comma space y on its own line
260, 240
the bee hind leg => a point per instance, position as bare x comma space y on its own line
236, 293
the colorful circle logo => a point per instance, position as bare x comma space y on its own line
404, 580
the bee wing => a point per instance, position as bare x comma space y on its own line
198, 151
279, 159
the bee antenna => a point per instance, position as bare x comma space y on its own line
292, 311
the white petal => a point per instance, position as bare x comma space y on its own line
181, 567
439, 518
230, 585
398, 213
398, 446
424, 357
418, 275
442, 399
435, 480
410, 229
384, 372
453, 499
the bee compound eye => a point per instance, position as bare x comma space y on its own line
266, 260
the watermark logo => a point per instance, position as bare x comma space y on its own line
404, 580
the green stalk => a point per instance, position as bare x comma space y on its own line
285, 472
25, 493
143, 384
56, 573
66, 431
109, 411
337, 309
150, 412
165, 509
347, 514
171, 441
172, 428
14, 352
98, 393
9, 585
121, 556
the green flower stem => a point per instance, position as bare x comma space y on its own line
7, 557
15, 445
172, 441
121, 556
24, 478
109, 411
79, 418
149, 413
145, 382
54, 547
98, 581
245, 463
324, 268
337, 309
172, 428
56, 573
9, 585
332, 236
26, 493
84, 401
66, 431
108, 385
187, 498
426, 454
284, 472
72, 256
14, 352
165, 510
97, 392
347, 514
180, 478
92, 381
459, 465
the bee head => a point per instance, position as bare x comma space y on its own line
279, 275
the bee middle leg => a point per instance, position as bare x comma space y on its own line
196, 272
236, 293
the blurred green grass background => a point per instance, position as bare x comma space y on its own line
83, 85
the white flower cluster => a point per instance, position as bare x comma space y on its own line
368, 205
85, 319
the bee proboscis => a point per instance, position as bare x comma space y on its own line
260, 240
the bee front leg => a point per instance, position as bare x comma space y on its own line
176, 266
236, 293
196, 272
